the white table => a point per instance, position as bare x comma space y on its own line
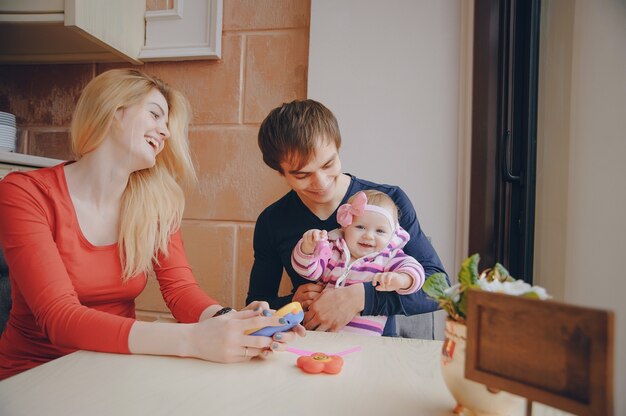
390, 376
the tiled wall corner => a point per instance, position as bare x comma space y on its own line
264, 63
234, 183
266, 14
213, 88
210, 248
245, 257
276, 71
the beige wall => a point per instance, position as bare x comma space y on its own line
393, 80
264, 63
581, 196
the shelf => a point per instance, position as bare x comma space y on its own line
20, 159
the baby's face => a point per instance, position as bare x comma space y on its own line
367, 234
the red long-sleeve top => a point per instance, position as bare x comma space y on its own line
67, 293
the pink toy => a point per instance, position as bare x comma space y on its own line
322, 250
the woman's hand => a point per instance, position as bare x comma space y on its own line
280, 338
284, 338
259, 306
223, 339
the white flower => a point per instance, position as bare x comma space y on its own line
453, 292
541, 292
515, 288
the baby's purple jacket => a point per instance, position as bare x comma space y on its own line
334, 270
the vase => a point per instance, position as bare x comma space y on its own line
472, 398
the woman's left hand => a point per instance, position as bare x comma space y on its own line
261, 306
280, 339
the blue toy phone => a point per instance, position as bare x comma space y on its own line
293, 315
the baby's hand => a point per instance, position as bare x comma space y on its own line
311, 238
391, 281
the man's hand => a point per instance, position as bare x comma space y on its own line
334, 308
306, 294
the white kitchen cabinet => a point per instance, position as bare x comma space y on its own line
83, 31
35, 31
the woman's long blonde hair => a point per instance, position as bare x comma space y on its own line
153, 201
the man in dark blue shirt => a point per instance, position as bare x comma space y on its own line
301, 141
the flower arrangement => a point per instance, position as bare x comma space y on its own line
453, 299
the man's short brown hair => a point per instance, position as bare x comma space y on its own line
291, 132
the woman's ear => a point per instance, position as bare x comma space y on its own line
119, 114
118, 117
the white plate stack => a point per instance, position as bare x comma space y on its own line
8, 132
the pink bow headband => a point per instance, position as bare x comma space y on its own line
347, 212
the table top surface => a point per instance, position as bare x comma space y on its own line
389, 376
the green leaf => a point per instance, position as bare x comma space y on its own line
531, 295
468, 275
448, 306
436, 285
501, 273
462, 305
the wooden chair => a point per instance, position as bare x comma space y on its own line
550, 352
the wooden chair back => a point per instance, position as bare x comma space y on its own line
550, 352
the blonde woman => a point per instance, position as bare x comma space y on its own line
82, 237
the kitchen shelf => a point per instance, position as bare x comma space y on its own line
20, 159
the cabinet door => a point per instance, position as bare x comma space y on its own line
71, 31
118, 24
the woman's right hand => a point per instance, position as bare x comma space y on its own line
222, 339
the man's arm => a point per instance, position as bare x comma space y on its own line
418, 247
267, 269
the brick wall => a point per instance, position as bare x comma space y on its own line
264, 63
